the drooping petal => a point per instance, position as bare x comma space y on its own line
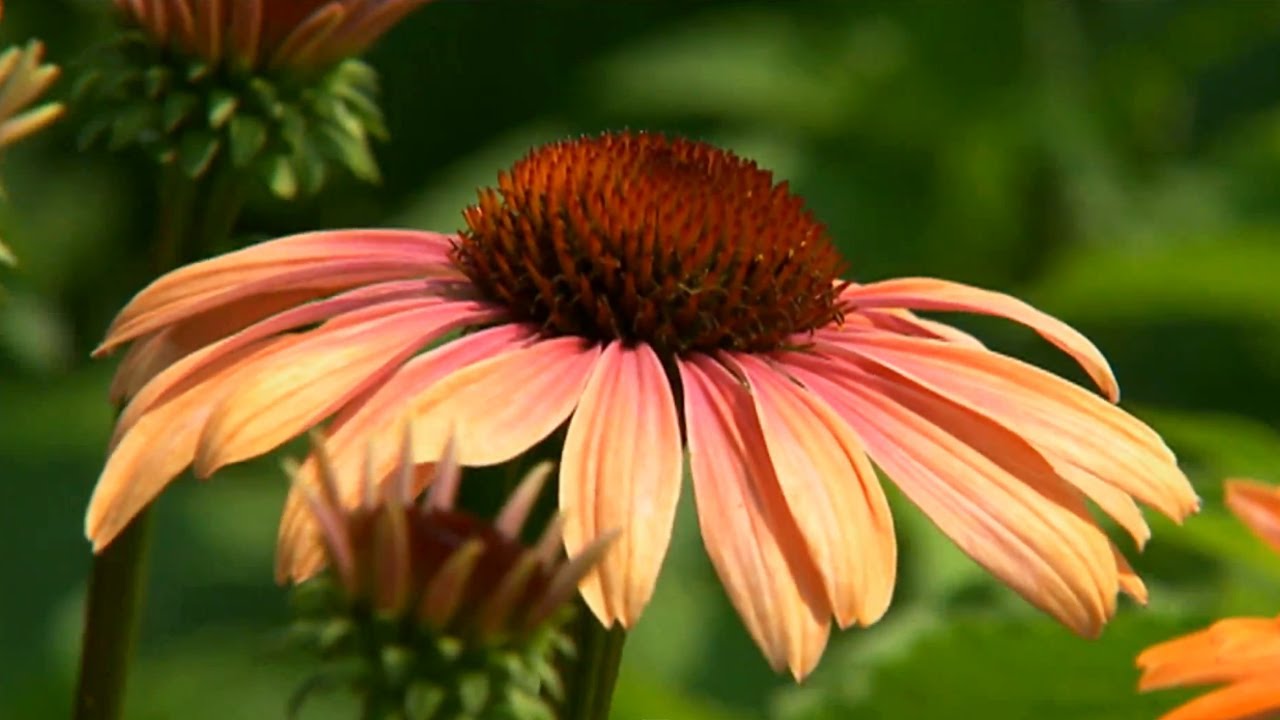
292, 391
1257, 506
322, 262
163, 442
620, 470
1070, 426
831, 490
905, 322
932, 294
755, 546
367, 432
985, 488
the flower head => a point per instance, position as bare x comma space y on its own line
1242, 654
444, 596
264, 88
657, 296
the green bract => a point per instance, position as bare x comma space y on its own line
287, 128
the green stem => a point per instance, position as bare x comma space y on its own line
111, 618
194, 216
593, 673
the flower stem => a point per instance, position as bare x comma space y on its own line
594, 671
115, 598
193, 216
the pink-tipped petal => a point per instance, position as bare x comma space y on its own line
621, 469
752, 541
905, 322
986, 489
162, 443
932, 294
321, 262
294, 390
831, 490
1257, 506
500, 407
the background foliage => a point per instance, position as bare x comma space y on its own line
1115, 163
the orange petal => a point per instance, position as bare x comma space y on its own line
1228, 650
294, 390
1258, 506
932, 294
162, 443
1250, 700
498, 408
1068, 425
620, 470
749, 534
319, 261
831, 490
989, 491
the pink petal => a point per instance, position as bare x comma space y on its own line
321, 262
831, 490
1258, 506
931, 294
1072, 427
163, 442
498, 408
621, 470
749, 533
904, 322
989, 491
294, 390
369, 431
163, 383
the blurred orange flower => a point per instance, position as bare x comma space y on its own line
657, 296
298, 34
1242, 654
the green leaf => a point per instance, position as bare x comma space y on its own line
196, 151
247, 136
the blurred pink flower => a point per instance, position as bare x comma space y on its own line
657, 296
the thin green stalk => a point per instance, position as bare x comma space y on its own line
193, 216
593, 673
111, 618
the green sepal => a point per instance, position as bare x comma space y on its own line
280, 177
176, 108
156, 80
130, 123
222, 106
247, 136
196, 151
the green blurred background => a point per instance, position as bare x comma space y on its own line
1114, 163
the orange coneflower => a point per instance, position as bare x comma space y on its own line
1241, 653
267, 33
656, 295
